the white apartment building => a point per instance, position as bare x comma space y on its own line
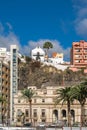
13, 79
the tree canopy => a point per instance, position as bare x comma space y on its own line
47, 45
28, 94
64, 96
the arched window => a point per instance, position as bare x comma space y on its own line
63, 113
73, 115
55, 113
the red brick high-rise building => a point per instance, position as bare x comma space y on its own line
79, 54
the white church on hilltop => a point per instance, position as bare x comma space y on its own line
39, 54
56, 60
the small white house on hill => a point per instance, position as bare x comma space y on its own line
57, 58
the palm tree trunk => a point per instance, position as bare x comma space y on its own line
82, 115
30, 104
69, 114
47, 54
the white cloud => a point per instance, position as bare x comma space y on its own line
10, 38
81, 27
82, 13
80, 8
80, 2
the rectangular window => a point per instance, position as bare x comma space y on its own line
27, 113
43, 113
77, 61
27, 120
45, 92
77, 56
85, 50
85, 112
35, 100
19, 112
43, 100
35, 113
14, 50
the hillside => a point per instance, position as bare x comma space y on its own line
33, 73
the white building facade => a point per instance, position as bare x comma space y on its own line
13, 79
57, 58
3, 52
38, 54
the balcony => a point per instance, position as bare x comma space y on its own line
3, 83
85, 52
43, 117
35, 117
79, 57
85, 57
77, 52
79, 63
79, 47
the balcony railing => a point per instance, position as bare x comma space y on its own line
80, 57
43, 117
35, 117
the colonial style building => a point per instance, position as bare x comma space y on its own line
44, 108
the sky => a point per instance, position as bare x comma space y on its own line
29, 23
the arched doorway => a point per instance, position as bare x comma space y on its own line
72, 116
55, 115
63, 112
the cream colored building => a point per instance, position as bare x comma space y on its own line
43, 107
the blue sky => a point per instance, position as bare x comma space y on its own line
29, 23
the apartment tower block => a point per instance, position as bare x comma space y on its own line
13, 79
79, 54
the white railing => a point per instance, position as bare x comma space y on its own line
16, 128
74, 128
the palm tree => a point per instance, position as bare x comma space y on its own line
64, 96
47, 45
28, 94
80, 94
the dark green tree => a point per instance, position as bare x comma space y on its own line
47, 45
64, 96
29, 94
79, 93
